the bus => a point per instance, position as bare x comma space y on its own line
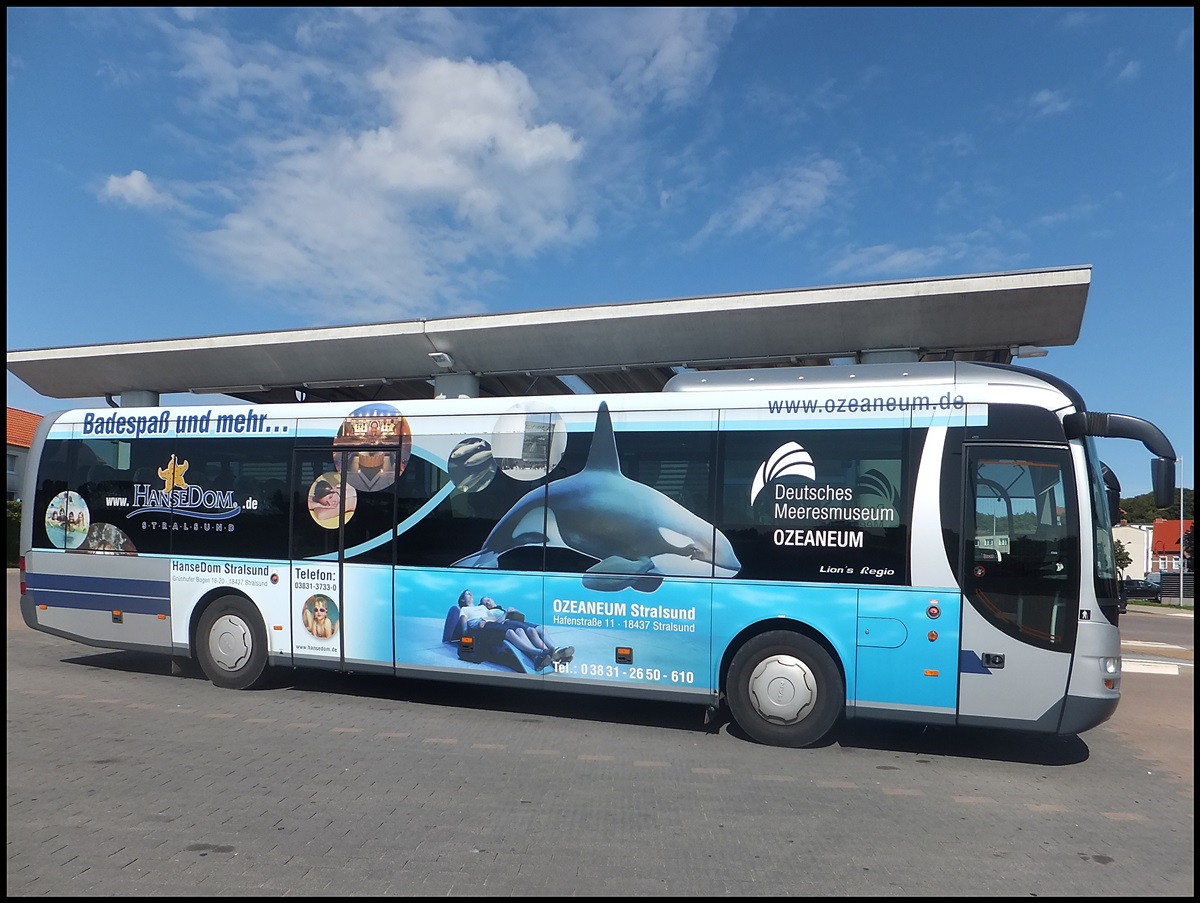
790, 547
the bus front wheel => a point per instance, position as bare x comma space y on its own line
231, 643
784, 689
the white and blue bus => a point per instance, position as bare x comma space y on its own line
926, 542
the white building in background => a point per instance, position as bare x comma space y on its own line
1137, 540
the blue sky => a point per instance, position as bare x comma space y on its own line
179, 172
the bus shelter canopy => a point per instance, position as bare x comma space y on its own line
634, 347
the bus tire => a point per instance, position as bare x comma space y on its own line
231, 643
784, 689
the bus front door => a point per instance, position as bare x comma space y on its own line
1020, 580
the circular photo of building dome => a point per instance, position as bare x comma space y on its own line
528, 442
389, 439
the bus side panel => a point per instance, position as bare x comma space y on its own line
264, 583
111, 601
629, 638
427, 614
907, 655
368, 620
1025, 683
829, 611
627, 642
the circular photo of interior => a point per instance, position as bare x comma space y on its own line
389, 436
331, 502
472, 465
68, 520
107, 539
528, 442
320, 616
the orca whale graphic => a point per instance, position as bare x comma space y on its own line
637, 534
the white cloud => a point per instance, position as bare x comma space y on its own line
369, 159
1049, 103
1080, 210
668, 52
394, 217
777, 204
1077, 19
889, 260
136, 190
15, 65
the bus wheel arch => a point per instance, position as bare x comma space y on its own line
229, 640
784, 687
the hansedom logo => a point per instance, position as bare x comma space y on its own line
180, 497
789, 460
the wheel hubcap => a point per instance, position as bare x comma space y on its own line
783, 689
230, 642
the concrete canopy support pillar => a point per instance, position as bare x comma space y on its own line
139, 398
456, 385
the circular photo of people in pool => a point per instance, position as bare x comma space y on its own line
68, 520
385, 429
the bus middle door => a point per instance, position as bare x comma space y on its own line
321, 504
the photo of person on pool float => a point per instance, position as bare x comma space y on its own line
490, 626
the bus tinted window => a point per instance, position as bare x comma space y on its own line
823, 505
334, 503
232, 508
460, 522
211, 497
53, 480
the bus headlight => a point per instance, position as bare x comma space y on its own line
1110, 667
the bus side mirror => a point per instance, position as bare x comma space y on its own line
1114, 505
1162, 474
1112, 493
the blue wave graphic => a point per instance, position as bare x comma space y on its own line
224, 515
400, 527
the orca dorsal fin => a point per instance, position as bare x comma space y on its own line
603, 453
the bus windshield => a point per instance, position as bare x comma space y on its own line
1106, 563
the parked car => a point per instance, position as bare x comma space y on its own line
1141, 589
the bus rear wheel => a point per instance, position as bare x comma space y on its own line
784, 689
231, 643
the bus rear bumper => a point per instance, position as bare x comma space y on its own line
29, 613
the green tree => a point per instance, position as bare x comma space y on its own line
1123, 558
14, 533
1140, 509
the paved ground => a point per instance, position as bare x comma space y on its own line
125, 780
